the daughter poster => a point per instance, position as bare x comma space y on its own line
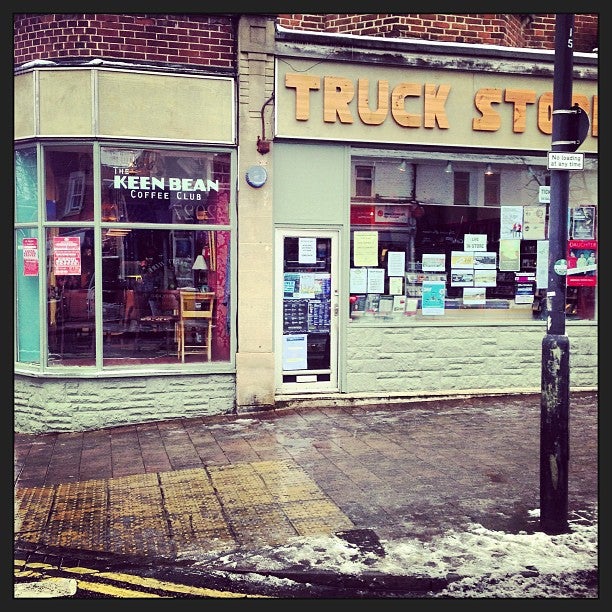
581, 263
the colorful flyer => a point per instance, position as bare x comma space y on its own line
434, 293
581, 263
511, 222
66, 255
30, 256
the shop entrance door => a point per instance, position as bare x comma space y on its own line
306, 307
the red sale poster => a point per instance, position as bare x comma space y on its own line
581, 263
66, 255
30, 256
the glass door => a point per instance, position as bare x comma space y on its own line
306, 311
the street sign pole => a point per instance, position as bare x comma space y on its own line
554, 403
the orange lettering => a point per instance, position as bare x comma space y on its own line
367, 115
434, 106
520, 99
490, 120
303, 84
337, 93
398, 104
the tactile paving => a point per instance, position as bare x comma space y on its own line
173, 513
32, 507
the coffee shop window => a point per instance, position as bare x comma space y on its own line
144, 274
135, 272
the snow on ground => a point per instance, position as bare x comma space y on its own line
488, 564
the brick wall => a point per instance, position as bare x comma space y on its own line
533, 31
209, 40
194, 39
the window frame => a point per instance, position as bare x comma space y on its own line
39, 307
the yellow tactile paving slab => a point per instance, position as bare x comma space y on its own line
32, 507
174, 513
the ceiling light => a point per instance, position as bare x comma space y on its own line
449, 168
402, 166
489, 170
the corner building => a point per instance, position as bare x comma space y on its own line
222, 213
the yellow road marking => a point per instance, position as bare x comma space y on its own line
135, 580
109, 589
152, 583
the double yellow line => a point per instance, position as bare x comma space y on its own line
108, 583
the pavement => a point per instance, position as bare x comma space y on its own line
219, 491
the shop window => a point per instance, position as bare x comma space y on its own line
69, 183
422, 257
461, 188
164, 230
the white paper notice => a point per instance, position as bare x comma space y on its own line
376, 280
365, 248
396, 263
294, 352
307, 250
359, 280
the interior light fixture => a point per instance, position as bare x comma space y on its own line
402, 166
449, 168
199, 266
489, 170
199, 263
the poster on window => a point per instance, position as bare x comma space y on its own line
511, 222
376, 280
581, 263
365, 248
434, 262
30, 256
474, 296
307, 251
485, 278
396, 263
432, 301
475, 242
358, 280
509, 255
294, 352
462, 259
534, 223
583, 222
485, 260
542, 264
66, 255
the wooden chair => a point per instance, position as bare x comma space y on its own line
164, 306
195, 310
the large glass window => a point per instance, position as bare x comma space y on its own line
137, 267
419, 251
